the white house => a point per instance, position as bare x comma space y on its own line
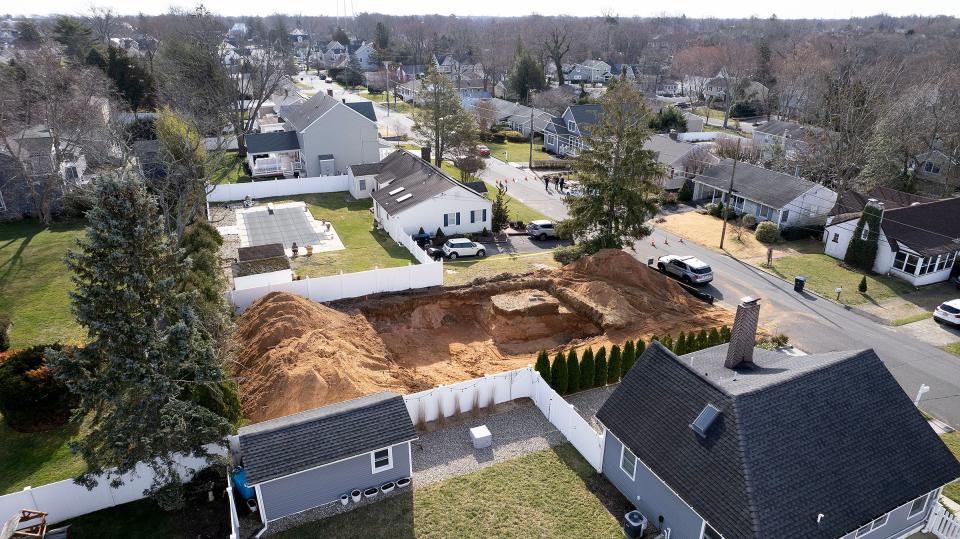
363, 179
917, 242
412, 194
367, 56
787, 200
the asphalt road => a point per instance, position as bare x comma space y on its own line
526, 187
818, 325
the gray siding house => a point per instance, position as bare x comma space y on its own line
326, 127
307, 460
736, 442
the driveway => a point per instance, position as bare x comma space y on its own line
523, 245
930, 332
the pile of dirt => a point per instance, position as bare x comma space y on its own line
295, 354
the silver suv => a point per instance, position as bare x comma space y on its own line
457, 247
688, 269
541, 229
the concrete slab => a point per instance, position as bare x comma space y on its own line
931, 332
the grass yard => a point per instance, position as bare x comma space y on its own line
36, 458
463, 271
518, 210
824, 274
910, 319
34, 282
706, 229
517, 152
544, 494
729, 131
232, 171
400, 106
365, 247
952, 439
955, 350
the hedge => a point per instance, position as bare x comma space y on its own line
767, 232
587, 369
558, 373
600, 367
573, 372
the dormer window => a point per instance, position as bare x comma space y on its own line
571, 126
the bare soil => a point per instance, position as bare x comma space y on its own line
295, 355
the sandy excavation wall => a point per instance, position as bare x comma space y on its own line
294, 354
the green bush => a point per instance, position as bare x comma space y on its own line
685, 194
667, 342
4, 333
514, 136
570, 254
558, 373
862, 287
767, 232
543, 366
724, 334
641, 347
573, 372
748, 220
715, 210
702, 341
30, 397
628, 357
600, 367
613, 370
497, 138
680, 347
713, 339
587, 369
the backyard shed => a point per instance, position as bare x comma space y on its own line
307, 460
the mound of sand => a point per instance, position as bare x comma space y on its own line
294, 354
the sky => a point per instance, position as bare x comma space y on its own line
823, 9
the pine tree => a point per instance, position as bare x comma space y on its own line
702, 340
558, 373
500, 212
714, 338
863, 285
667, 342
628, 358
724, 334
543, 366
200, 246
641, 346
143, 340
680, 347
600, 367
587, 369
613, 370
573, 372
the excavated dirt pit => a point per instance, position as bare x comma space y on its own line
293, 354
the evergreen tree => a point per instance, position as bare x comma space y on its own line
94, 58
543, 366
353, 75
200, 247
641, 346
340, 36
600, 367
558, 372
702, 340
628, 358
573, 372
146, 350
862, 287
724, 334
76, 37
714, 338
862, 250
134, 83
613, 370
381, 38
587, 370
526, 75
667, 342
500, 213
680, 347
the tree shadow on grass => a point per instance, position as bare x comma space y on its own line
24, 454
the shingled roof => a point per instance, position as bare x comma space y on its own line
298, 442
796, 436
851, 201
403, 174
930, 228
769, 187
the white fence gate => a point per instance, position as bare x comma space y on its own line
463, 397
943, 524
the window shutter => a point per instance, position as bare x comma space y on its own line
484, 215
446, 221
472, 214
458, 218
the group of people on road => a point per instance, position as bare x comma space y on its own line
558, 181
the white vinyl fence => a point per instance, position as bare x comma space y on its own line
64, 500
943, 524
276, 188
234, 518
462, 397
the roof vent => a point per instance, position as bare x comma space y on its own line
395, 191
405, 197
703, 421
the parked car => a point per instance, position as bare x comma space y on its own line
483, 150
541, 229
457, 247
948, 312
688, 269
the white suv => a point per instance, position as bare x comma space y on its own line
541, 229
688, 269
948, 312
458, 247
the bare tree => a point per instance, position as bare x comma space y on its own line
486, 113
103, 20
557, 45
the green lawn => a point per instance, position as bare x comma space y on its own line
36, 458
518, 210
952, 439
351, 218
911, 319
35, 282
824, 274
400, 106
517, 152
729, 131
543, 494
953, 348
232, 171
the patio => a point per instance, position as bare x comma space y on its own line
286, 223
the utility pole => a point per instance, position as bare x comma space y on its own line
530, 163
726, 207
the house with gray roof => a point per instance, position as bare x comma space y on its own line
331, 134
680, 160
576, 122
788, 201
739, 442
310, 459
411, 194
783, 135
273, 154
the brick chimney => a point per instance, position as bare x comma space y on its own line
743, 336
425, 153
330, 92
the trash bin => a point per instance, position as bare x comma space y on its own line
634, 524
798, 283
